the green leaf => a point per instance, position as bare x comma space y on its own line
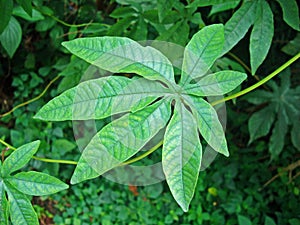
259, 97
243, 220
290, 13
6, 8
123, 55
261, 35
181, 155
260, 123
26, 5
223, 6
21, 210
11, 36
122, 12
269, 221
118, 28
3, 205
123, 138
208, 123
201, 52
20, 12
100, 98
36, 183
295, 134
293, 47
163, 6
238, 25
279, 132
216, 84
19, 158
83, 172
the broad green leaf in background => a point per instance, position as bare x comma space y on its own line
19, 158
6, 8
122, 55
181, 155
26, 5
216, 84
21, 210
36, 183
124, 137
290, 13
260, 123
96, 99
282, 109
261, 35
201, 52
269, 221
208, 123
238, 25
11, 36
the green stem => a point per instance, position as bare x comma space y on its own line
143, 155
31, 100
261, 82
42, 159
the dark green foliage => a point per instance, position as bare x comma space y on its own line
257, 184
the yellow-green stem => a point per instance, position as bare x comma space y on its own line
261, 82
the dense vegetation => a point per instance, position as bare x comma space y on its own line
257, 184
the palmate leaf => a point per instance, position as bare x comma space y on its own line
100, 98
261, 35
216, 84
19, 158
20, 208
201, 52
123, 55
122, 138
36, 183
181, 155
146, 106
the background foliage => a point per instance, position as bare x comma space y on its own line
235, 190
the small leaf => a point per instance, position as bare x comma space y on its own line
21, 210
3, 205
260, 123
26, 5
100, 98
238, 25
181, 155
269, 221
259, 97
201, 52
11, 36
293, 47
261, 35
163, 7
243, 220
223, 6
290, 13
6, 8
208, 123
123, 138
19, 158
36, 183
279, 132
123, 55
216, 84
